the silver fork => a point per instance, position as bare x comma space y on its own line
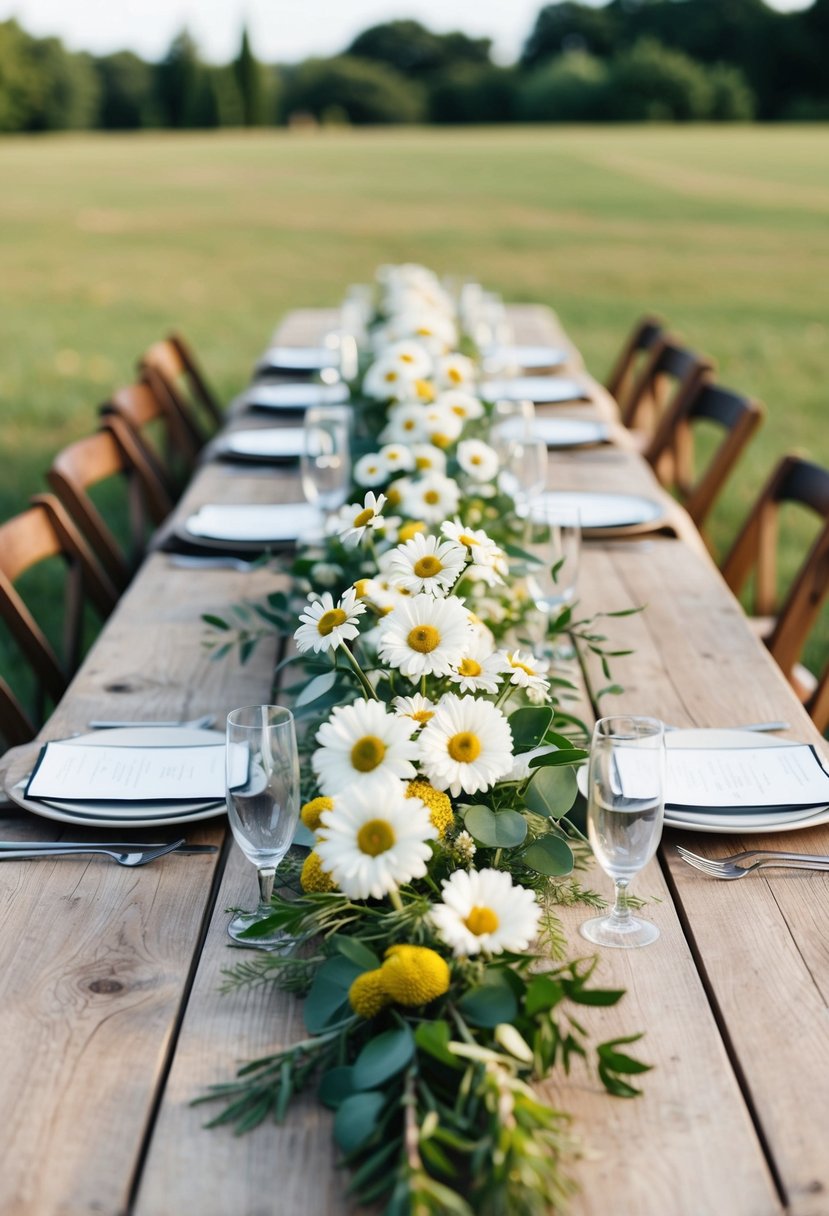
128, 857
191, 561
202, 723
741, 864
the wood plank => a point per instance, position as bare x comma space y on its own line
760, 940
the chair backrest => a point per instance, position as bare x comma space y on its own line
645, 335
110, 452
800, 610
43, 531
818, 702
703, 401
172, 365
669, 370
140, 409
15, 724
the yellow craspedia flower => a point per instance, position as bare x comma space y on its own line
312, 811
367, 994
437, 803
414, 975
361, 586
313, 877
411, 529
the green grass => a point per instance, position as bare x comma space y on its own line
107, 242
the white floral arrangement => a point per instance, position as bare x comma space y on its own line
439, 778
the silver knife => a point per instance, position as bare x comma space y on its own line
47, 846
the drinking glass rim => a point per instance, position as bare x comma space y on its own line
652, 728
286, 719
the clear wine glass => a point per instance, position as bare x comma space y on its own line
325, 464
262, 803
510, 420
523, 471
554, 541
625, 807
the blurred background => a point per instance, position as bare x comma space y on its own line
199, 167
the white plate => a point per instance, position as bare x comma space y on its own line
600, 512
107, 815
273, 443
531, 358
294, 396
729, 825
543, 390
559, 433
270, 523
297, 358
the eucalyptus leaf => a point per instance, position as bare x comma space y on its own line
355, 951
336, 1085
529, 725
543, 994
433, 1038
488, 1005
316, 688
552, 791
496, 829
383, 1057
550, 855
357, 1119
327, 999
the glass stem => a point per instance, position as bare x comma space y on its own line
266, 879
621, 909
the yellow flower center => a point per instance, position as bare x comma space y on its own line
375, 837
363, 518
409, 424
393, 495
460, 410
411, 529
367, 753
390, 377
423, 638
424, 390
466, 539
392, 457
456, 376
440, 440
428, 566
514, 663
475, 460
361, 586
329, 621
464, 747
406, 358
423, 332
422, 715
469, 667
431, 497
481, 920
423, 462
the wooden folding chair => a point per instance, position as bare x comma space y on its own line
143, 411
15, 724
703, 401
818, 703
785, 627
110, 452
643, 338
44, 531
669, 371
171, 367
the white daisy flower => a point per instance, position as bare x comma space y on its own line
380, 594
477, 459
431, 498
397, 458
405, 424
370, 470
372, 846
454, 371
426, 563
362, 742
412, 357
441, 426
526, 671
479, 671
388, 380
325, 625
483, 911
489, 561
463, 405
418, 708
467, 745
326, 574
425, 635
353, 521
428, 458
430, 327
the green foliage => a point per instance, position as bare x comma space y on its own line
251, 85
44, 87
654, 84
731, 98
416, 52
127, 97
358, 90
185, 96
572, 88
470, 92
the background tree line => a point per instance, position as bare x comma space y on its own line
628, 60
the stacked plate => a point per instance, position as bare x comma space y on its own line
605, 514
244, 528
272, 445
297, 360
294, 397
528, 358
141, 809
543, 390
559, 434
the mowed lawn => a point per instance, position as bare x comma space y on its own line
107, 242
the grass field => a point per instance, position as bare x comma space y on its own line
106, 242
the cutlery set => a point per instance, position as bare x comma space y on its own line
129, 854
740, 865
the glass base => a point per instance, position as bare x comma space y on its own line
278, 940
624, 935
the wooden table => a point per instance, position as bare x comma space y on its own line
111, 1019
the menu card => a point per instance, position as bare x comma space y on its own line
77, 773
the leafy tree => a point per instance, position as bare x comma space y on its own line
127, 98
353, 89
651, 83
573, 27
413, 50
185, 95
468, 92
250, 84
731, 98
573, 88
17, 79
